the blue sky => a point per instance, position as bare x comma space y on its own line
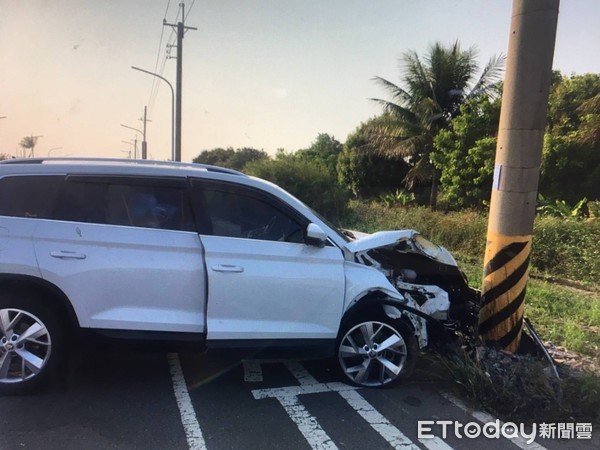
267, 74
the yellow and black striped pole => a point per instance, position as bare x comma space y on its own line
516, 172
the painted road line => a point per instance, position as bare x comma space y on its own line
389, 432
316, 437
378, 422
252, 370
193, 433
300, 373
484, 417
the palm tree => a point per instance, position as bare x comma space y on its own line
434, 88
29, 143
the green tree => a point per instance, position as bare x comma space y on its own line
310, 181
215, 157
324, 150
567, 96
365, 173
570, 167
433, 89
243, 156
4, 156
589, 132
464, 153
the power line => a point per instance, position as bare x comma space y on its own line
189, 10
155, 85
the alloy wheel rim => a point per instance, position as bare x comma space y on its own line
25, 345
372, 354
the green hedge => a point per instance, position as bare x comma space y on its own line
561, 248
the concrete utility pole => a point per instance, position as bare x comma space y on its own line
516, 172
144, 143
180, 27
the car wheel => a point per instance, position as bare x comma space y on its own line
31, 342
376, 353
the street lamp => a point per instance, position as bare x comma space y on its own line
173, 150
129, 151
52, 149
143, 141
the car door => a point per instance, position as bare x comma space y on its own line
124, 251
264, 282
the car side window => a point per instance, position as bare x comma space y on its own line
28, 196
134, 205
246, 215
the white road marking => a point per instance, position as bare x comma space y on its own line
316, 437
485, 418
379, 423
306, 423
252, 370
193, 433
300, 373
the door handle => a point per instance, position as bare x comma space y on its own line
63, 254
227, 268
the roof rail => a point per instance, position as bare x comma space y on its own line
144, 162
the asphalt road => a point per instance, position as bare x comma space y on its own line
127, 400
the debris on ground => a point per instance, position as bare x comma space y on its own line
574, 362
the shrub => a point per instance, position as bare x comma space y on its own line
310, 181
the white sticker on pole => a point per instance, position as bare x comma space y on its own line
497, 174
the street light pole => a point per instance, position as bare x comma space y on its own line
143, 133
172, 107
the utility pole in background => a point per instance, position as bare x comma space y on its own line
181, 28
516, 172
144, 143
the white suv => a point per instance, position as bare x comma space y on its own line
193, 253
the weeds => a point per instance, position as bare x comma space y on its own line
399, 198
520, 388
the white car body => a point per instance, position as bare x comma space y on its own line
219, 288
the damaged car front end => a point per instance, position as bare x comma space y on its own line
431, 305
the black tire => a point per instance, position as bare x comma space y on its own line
366, 365
30, 332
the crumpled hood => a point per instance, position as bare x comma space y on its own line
417, 244
379, 239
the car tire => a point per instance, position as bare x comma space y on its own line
32, 343
378, 352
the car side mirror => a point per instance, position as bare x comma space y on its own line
315, 235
